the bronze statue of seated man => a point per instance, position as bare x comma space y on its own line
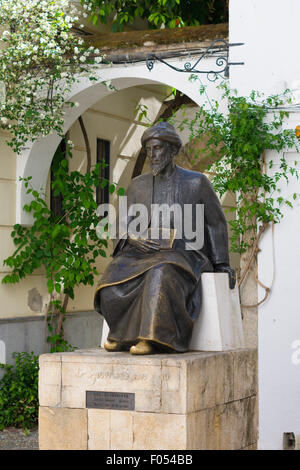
150, 294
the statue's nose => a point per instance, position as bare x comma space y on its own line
152, 154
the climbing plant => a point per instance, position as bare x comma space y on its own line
240, 139
156, 13
66, 247
40, 60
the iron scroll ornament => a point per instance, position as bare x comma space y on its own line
222, 61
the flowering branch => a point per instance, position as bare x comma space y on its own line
40, 60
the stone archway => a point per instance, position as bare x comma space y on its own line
35, 161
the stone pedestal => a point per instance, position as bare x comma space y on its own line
196, 400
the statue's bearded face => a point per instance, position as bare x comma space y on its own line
160, 154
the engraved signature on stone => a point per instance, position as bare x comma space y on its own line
94, 377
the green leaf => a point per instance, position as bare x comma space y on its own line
57, 287
94, 19
103, 184
50, 285
111, 188
121, 191
55, 231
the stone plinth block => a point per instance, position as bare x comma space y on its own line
62, 429
219, 324
195, 400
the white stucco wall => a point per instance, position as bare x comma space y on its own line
270, 31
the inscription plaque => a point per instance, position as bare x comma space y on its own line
110, 400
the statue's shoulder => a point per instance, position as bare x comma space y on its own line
195, 177
140, 183
192, 176
141, 180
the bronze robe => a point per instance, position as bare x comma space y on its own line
157, 296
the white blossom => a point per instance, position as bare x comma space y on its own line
40, 65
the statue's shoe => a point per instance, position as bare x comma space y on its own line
141, 348
112, 346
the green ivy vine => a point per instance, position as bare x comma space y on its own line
237, 143
66, 247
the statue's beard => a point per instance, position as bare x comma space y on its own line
158, 168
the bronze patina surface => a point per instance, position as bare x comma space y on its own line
150, 294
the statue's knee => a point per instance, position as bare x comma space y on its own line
161, 272
105, 295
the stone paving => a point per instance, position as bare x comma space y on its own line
17, 439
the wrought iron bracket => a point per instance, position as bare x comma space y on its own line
218, 46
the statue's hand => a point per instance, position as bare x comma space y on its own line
225, 268
146, 246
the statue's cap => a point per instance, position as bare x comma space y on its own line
162, 131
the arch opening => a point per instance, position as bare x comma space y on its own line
35, 161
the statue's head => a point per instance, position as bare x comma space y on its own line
161, 143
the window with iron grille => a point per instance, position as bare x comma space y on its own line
103, 156
56, 201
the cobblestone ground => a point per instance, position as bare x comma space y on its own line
16, 439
